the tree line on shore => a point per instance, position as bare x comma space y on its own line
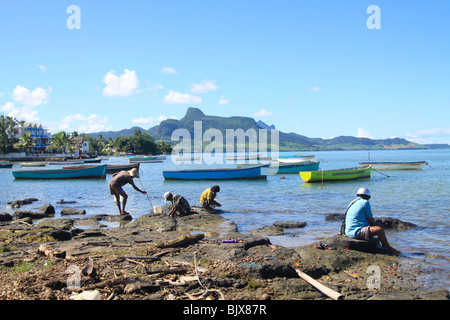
64, 142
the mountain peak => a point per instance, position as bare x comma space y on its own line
193, 113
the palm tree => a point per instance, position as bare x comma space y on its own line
26, 141
59, 142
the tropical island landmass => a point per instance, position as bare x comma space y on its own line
287, 141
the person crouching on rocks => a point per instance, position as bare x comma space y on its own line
208, 198
359, 222
116, 187
180, 206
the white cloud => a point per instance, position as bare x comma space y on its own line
363, 134
223, 100
24, 113
181, 98
204, 87
124, 85
29, 98
429, 136
150, 119
78, 122
155, 87
169, 70
42, 68
262, 113
7, 107
315, 89
24, 102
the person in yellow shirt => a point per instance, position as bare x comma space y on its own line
208, 198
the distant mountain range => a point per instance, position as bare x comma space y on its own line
287, 141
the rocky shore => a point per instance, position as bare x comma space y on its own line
197, 257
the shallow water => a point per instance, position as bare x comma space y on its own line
420, 197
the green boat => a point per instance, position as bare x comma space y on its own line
362, 172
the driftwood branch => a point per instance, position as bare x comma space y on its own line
325, 290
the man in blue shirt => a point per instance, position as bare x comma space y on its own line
359, 222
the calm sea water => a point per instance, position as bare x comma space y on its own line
420, 197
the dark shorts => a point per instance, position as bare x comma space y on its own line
364, 234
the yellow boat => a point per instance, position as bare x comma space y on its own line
362, 172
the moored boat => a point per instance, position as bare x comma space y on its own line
395, 165
93, 160
76, 172
217, 174
296, 159
146, 159
243, 157
294, 167
6, 165
116, 168
67, 162
362, 172
33, 164
277, 167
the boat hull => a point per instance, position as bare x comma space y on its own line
63, 163
337, 175
402, 165
86, 172
217, 174
294, 168
6, 165
96, 160
118, 168
296, 159
146, 159
33, 164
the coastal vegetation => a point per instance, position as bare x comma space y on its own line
7, 138
65, 142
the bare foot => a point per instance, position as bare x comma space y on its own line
394, 252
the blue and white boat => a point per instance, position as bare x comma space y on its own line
4, 164
257, 172
293, 167
77, 172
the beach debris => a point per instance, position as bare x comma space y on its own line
325, 290
87, 295
89, 270
182, 241
50, 252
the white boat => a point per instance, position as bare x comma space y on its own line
33, 164
148, 159
63, 163
243, 157
395, 165
296, 159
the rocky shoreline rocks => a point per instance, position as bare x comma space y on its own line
197, 257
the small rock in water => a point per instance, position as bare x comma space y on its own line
70, 211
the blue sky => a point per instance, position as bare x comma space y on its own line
310, 67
